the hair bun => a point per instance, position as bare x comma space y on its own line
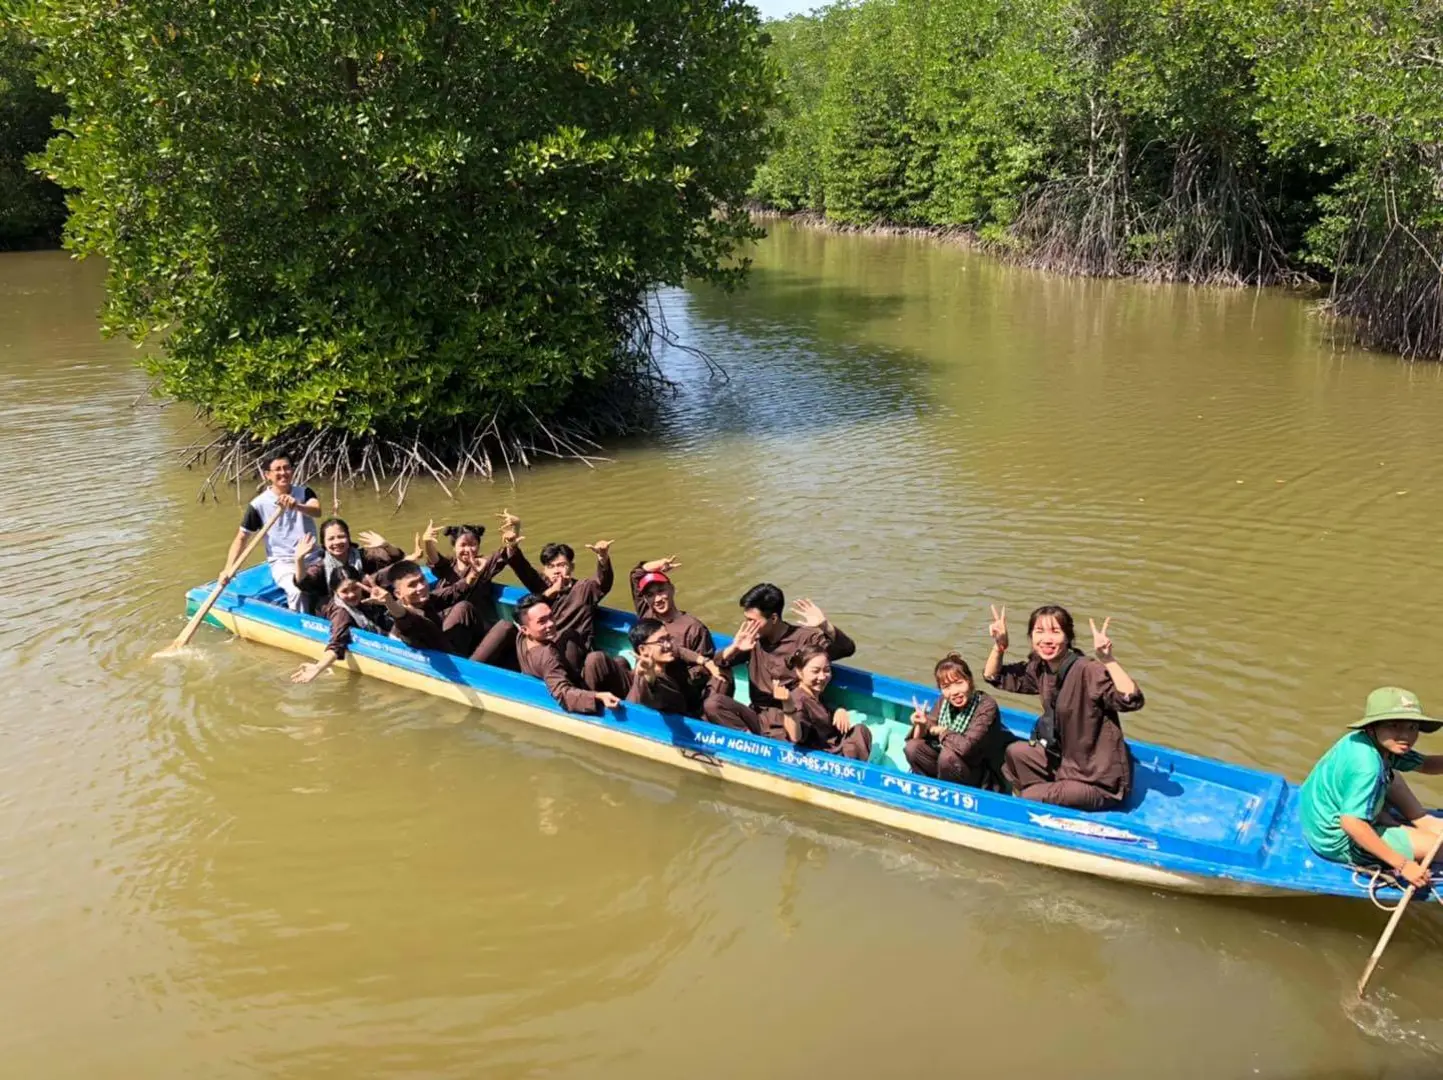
455, 532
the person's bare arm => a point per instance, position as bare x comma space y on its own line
1366, 837
992, 670
226, 573
1102, 646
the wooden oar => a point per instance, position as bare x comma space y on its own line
204, 610
1397, 915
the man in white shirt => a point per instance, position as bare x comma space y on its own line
299, 507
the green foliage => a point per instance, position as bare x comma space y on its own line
386, 217
32, 209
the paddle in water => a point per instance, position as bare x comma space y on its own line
201, 612
1397, 917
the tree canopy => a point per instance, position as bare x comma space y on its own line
392, 225
1237, 141
32, 209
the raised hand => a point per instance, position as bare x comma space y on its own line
371, 539
431, 533
919, 713
998, 628
808, 614
746, 637
611, 701
602, 548
377, 594
842, 721
1101, 643
305, 545
509, 520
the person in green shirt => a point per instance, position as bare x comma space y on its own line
1356, 807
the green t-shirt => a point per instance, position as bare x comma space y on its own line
1352, 778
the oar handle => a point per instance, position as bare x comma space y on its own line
1426, 862
230, 570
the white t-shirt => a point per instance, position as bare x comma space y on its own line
286, 533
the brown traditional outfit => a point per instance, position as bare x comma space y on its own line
817, 731
1088, 766
344, 619
971, 751
574, 685
768, 665
573, 610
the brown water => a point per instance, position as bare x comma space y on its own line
207, 871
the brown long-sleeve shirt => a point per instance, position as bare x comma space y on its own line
767, 664
686, 630
674, 688
553, 664
343, 621
574, 609
1090, 737
449, 575
815, 719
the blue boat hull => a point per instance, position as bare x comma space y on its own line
1192, 824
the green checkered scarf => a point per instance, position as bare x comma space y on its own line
957, 719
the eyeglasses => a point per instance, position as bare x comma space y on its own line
664, 639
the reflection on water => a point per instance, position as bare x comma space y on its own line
212, 872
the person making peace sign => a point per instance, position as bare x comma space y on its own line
1077, 756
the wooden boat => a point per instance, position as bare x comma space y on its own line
1192, 824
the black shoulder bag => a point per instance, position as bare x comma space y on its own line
1045, 733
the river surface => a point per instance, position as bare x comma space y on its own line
206, 871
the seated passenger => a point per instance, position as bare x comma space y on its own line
961, 738
298, 506
654, 597
580, 681
663, 677
809, 722
313, 576
427, 618
349, 594
473, 575
1077, 756
573, 603
1346, 803
771, 642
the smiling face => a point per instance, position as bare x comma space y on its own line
815, 674
280, 474
662, 599
1049, 640
659, 647
536, 624
412, 590
337, 540
466, 547
1395, 736
955, 687
350, 592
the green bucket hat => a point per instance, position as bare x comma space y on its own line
1395, 703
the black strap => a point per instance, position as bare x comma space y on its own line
1046, 732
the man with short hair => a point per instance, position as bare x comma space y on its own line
580, 681
573, 603
433, 618
654, 596
298, 506
664, 680
768, 641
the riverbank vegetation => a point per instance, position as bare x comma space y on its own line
32, 209
1210, 141
399, 238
